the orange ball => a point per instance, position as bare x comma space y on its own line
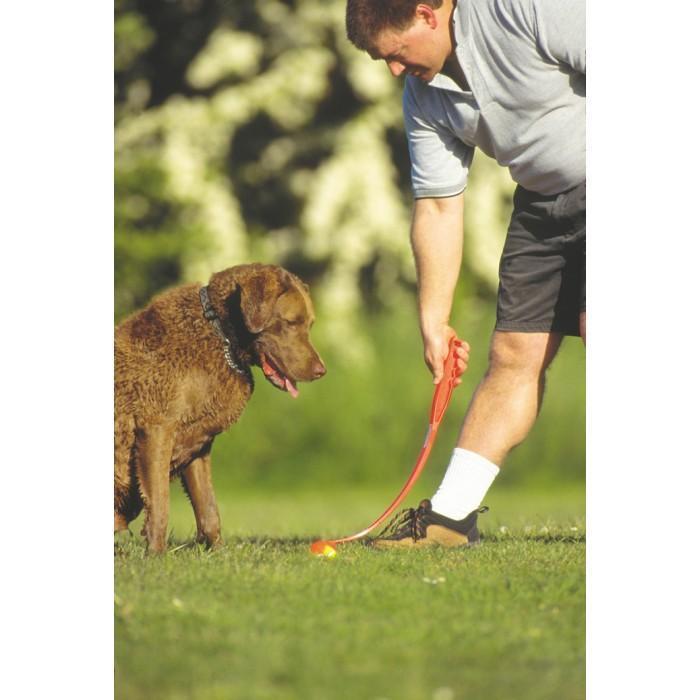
321, 548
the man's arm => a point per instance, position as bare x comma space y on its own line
437, 239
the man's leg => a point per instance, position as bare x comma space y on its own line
508, 399
541, 287
502, 412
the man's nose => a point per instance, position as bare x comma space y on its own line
396, 68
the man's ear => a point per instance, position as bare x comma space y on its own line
427, 15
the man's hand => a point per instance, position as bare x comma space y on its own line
436, 345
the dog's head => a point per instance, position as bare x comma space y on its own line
271, 313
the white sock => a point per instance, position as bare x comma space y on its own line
466, 481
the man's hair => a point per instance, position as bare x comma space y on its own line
365, 19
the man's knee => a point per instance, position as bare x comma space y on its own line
522, 353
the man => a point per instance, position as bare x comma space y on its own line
508, 76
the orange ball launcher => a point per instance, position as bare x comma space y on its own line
441, 399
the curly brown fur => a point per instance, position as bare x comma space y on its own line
174, 391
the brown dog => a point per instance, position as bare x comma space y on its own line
182, 376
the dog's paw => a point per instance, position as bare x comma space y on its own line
123, 539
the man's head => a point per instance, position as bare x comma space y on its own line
412, 37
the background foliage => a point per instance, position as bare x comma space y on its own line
253, 131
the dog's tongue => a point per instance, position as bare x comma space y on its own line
278, 378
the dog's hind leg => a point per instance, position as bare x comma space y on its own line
127, 499
153, 454
127, 507
197, 482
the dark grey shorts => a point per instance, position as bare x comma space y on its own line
543, 267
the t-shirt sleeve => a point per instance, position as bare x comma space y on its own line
560, 26
439, 160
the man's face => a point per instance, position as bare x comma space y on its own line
421, 50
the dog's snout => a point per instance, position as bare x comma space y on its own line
318, 369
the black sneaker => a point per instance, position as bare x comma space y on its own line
423, 527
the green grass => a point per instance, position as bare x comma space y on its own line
262, 618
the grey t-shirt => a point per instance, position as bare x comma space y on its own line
525, 62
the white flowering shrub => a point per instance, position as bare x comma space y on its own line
256, 131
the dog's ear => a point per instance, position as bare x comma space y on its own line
247, 294
260, 288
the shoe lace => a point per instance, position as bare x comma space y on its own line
411, 521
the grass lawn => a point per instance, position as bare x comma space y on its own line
262, 618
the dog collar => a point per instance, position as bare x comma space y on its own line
215, 321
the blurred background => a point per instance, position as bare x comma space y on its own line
254, 131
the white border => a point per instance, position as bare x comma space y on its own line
642, 476
56, 161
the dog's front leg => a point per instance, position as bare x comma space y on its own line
154, 445
197, 482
